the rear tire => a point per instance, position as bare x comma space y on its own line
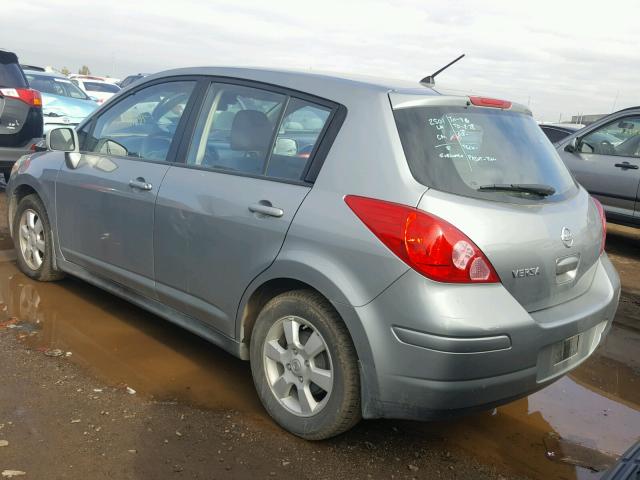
33, 240
299, 339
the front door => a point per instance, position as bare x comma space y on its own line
105, 204
222, 216
607, 164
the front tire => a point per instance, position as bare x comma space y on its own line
33, 240
305, 366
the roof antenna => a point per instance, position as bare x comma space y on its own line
430, 81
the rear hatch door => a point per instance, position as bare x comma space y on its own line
19, 120
525, 243
493, 174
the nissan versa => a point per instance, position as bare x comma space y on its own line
374, 248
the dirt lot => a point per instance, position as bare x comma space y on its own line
92, 387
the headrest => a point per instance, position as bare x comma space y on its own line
250, 131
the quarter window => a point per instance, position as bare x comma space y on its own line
143, 124
620, 138
297, 138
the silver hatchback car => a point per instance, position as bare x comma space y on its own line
374, 248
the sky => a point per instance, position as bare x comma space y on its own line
560, 58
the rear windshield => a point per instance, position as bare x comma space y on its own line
461, 149
101, 87
55, 86
11, 76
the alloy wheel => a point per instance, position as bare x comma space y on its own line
298, 366
31, 239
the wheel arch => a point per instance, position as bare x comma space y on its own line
282, 278
17, 193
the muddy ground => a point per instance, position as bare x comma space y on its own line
92, 387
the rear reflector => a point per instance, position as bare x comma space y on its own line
490, 102
603, 220
428, 244
27, 95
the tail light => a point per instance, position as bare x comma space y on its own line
428, 244
27, 95
603, 219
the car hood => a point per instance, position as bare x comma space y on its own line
57, 105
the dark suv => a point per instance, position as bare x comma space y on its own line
20, 113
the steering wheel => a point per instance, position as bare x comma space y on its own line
167, 104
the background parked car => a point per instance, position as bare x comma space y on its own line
605, 158
63, 103
96, 87
556, 132
131, 79
20, 113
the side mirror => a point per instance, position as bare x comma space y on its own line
62, 140
572, 146
286, 146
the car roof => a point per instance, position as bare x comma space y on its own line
44, 74
88, 78
8, 57
347, 89
305, 80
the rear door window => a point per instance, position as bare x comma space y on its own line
464, 150
55, 86
257, 132
236, 128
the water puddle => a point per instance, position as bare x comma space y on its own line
122, 344
550, 434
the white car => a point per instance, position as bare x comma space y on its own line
96, 87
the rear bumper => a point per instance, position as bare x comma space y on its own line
442, 350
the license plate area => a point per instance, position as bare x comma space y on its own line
565, 349
561, 356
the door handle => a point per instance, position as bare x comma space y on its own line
265, 208
140, 183
626, 165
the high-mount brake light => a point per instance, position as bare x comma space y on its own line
603, 220
428, 244
490, 102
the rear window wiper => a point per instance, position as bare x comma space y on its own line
537, 189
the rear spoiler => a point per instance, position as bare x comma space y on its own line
401, 100
8, 57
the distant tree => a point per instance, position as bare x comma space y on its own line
84, 70
65, 71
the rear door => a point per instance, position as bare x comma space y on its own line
105, 204
222, 215
607, 164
